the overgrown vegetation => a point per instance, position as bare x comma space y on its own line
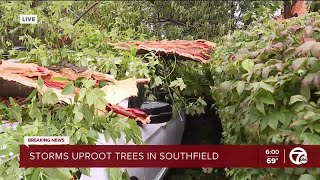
267, 88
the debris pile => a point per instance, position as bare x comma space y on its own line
19, 80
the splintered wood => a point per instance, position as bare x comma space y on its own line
19, 80
294, 10
198, 50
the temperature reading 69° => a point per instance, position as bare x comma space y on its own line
272, 160
272, 156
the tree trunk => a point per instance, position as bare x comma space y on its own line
287, 9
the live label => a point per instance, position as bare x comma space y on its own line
28, 19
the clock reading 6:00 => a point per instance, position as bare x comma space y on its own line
272, 151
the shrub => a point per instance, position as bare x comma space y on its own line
267, 81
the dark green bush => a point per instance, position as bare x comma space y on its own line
267, 86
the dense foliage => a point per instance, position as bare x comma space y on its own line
255, 77
180, 19
267, 89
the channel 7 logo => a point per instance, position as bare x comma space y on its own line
298, 156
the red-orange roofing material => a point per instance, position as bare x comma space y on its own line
198, 50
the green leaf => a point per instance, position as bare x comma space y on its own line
65, 172
299, 122
96, 97
157, 81
289, 171
31, 95
240, 86
107, 135
273, 120
59, 79
125, 175
260, 107
115, 174
247, 64
69, 89
313, 171
88, 113
246, 16
136, 131
81, 132
35, 114
78, 116
307, 177
82, 94
296, 64
313, 64
316, 127
57, 173
309, 114
35, 174
226, 86
285, 118
92, 134
2, 105
40, 83
21, 54
49, 97
85, 171
310, 139
266, 86
63, 53
266, 98
298, 171
88, 83
297, 98
178, 83
84, 139
14, 112
305, 91
263, 123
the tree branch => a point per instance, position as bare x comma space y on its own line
85, 12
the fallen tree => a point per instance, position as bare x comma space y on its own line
17, 80
198, 50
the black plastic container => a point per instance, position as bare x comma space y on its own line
159, 111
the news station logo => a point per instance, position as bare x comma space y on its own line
298, 156
28, 19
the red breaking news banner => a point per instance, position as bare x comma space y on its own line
172, 156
